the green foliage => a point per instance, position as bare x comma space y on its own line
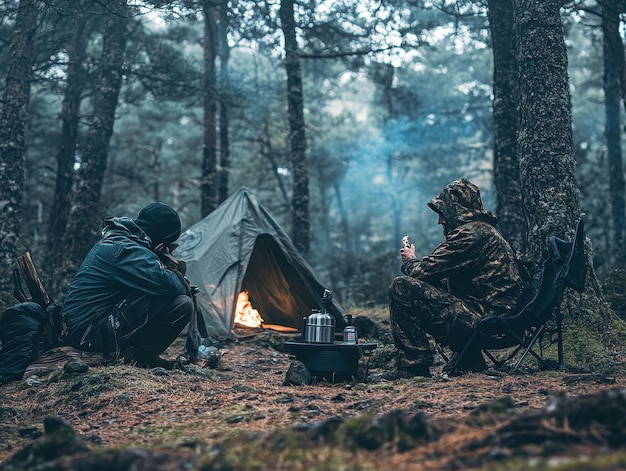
163, 67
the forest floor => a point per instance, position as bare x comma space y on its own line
240, 416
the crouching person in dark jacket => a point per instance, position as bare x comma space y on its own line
124, 300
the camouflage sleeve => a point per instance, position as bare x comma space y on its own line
458, 253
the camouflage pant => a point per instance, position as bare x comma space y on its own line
417, 308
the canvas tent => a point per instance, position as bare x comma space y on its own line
239, 246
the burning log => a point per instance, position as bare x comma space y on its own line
246, 316
280, 328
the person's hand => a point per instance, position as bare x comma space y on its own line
407, 253
164, 253
181, 267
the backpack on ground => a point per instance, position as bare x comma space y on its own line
26, 331
30, 328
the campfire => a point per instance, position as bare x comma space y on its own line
245, 314
249, 318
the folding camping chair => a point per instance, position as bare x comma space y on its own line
562, 265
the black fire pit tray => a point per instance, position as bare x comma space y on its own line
334, 361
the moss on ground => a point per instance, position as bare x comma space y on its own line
279, 451
593, 335
614, 289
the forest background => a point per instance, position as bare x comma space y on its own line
343, 117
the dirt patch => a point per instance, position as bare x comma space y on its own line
214, 414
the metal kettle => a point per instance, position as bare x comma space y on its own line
320, 325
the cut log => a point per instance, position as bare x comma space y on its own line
33, 283
54, 359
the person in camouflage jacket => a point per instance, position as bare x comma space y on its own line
471, 274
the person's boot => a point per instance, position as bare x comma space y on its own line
158, 362
131, 357
471, 362
415, 370
475, 362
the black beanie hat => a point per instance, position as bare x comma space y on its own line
160, 222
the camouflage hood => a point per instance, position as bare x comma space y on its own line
459, 202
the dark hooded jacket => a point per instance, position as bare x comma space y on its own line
476, 264
122, 262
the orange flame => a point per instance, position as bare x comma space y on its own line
245, 314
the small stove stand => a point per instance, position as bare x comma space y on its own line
334, 362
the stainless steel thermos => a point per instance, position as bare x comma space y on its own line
320, 325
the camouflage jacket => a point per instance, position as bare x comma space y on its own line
475, 263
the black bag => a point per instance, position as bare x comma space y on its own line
26, 331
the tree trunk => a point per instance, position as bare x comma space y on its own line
545, 143
297, 136
511, 219
613, 55
86, 216
66, 155
208, 186
13, 119
224, 173
547, 173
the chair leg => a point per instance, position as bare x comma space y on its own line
441, 352
493, 359
500, 363
529, 349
